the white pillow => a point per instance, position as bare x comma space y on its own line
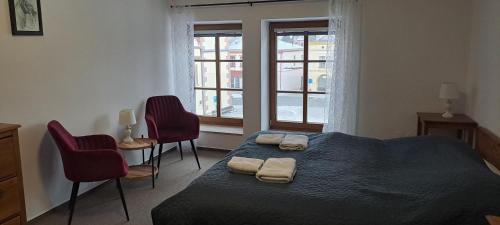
492, 168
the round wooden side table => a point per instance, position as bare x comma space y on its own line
142, 171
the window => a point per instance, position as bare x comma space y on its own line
298, 74
218, 52
323, 63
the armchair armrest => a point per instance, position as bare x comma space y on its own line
191, 121
96, 142
152, 127
97, 164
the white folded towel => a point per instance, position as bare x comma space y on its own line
294, 142
244, 165
269, 139
277, 170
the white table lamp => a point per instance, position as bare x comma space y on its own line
448, 92
127, 118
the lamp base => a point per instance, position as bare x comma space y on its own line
447, 107
447, 115
128, 132
128, 140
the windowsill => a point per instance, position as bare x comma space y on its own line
221, 129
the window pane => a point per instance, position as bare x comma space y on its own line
231, 75
318, 47
206, 102
289, 107
316, 108
232, 104
204, 47
290, 47
205, 74
290, 76
316, 77
231, 48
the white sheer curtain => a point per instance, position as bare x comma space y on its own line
343, 66
180, 35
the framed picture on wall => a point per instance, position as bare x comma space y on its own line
25, 17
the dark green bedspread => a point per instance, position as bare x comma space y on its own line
345, 180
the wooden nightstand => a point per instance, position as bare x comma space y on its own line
493, 220
464, 125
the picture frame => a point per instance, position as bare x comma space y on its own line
26, 17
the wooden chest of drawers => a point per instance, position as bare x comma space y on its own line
12, 209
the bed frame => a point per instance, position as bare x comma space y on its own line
488, 145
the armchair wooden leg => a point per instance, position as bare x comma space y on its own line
159, 159
195, 153
119, 186
180, 149
72, 201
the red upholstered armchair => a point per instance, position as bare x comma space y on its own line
88, 159
169, 122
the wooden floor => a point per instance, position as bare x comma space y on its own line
102, 206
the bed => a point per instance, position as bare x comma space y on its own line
347, 180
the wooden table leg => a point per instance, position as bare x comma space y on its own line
419, 127
460, 134
425, 129
471, 133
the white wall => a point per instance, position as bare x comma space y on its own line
408, 48
95, 58
484, 72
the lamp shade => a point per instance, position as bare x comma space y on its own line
448, 91
127, 117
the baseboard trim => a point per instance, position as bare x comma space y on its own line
99, 186
65, 204
90, 191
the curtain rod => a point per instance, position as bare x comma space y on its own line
250, 3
